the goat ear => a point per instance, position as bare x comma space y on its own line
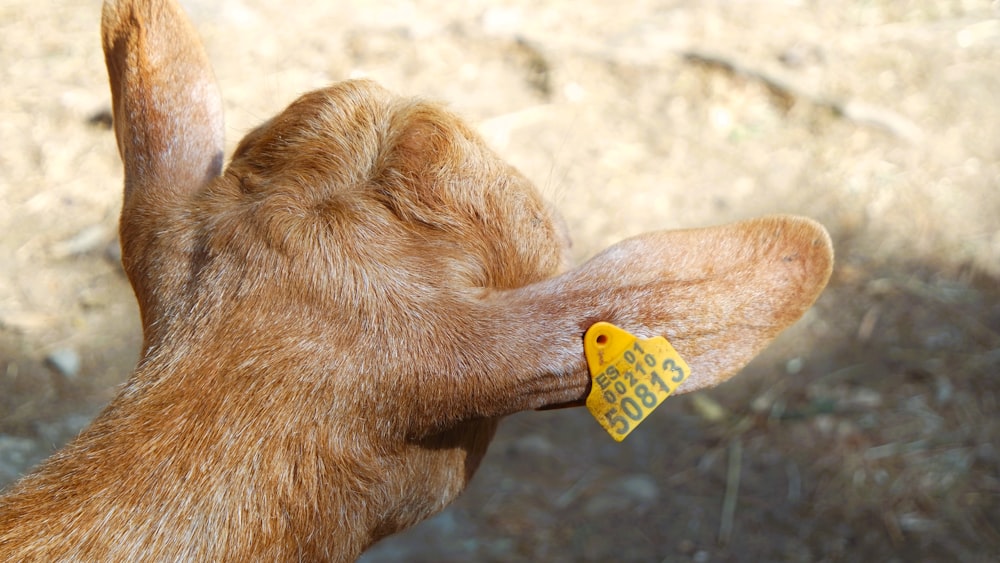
719, 295
167, 108
168, 123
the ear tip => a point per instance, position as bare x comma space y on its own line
821, 254
799, 251
809, 238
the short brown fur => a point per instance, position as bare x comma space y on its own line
333, 326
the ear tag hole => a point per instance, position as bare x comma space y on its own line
629, 376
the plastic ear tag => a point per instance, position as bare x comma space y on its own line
631, 376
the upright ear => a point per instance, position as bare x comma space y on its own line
166, 105
719, 295
168, 122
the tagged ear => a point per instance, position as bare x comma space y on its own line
719, 295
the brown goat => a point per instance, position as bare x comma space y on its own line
334, 325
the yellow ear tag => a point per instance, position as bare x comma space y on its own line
631, 376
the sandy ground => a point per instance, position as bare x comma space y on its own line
869, 431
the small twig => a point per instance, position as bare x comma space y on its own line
794, 482
732, 490
783, 87
852, 110
573, 492
892, 528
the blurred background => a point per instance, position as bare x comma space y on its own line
868, 432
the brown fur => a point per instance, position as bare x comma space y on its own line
334, 325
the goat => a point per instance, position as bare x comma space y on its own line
334, 325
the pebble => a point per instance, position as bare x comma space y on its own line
62, 429
794, 366
16, 455
532, 445
113, 251
66, 361
640, 488
86, 240
628, 493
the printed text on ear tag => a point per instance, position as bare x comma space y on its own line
630, 376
